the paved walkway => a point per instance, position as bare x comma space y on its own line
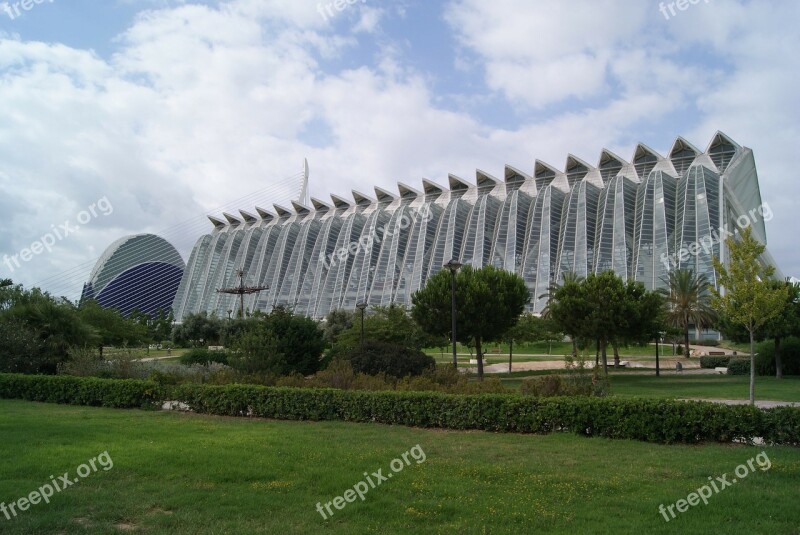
761, 404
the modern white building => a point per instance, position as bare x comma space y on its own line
639, 218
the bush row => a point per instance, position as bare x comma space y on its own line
714, 362
663, 421
92, 391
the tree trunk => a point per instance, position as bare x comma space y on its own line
480, 358
616, 355
752, 370
510, 353
686, 341
603, 344
574, 347
778, 364
597, 355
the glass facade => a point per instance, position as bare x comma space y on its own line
639, 219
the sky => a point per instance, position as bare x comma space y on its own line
128, 116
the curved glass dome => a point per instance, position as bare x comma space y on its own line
139, 272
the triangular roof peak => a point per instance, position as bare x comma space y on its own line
218, 223
680, 145
383, 195
232, 220
512, 174
282, 212
362, 199
340, 202
431, 188
265, 215
300, 208
457, 183
407, 192
248, 217
485, 180
719, 138
573, 161
319, 205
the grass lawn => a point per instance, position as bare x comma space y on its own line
670, 385
178, 473
706, 386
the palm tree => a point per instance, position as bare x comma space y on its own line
688, 301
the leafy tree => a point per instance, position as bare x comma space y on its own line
529, 328
53, 323
391, 324
688, 302
489, 302
392, 359
749, 299
786, 322
609, 307
197, 327
279, 343
336, 322
567, 308
21, 350
112, 328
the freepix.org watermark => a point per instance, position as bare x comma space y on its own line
682, 5
326, 10
48, 490
706, 243
15, 9
58, 233
381, 233
717, 484
369, 482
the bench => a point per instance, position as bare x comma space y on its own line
716, 353
495, 350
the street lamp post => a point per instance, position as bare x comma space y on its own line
659, 339
362, 307
453, 265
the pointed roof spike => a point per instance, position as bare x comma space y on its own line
681, 144
319, 205
248, 217
541, 167
430, 187
512, 174
407, 192
607, 157
485, 180
340, 202
282, 212
573, 161
643, 150
233, 221
720, 137
362, 199
265, 215
383, 195
218, 224
457, 183
300, 209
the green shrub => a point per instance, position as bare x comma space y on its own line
679, 350
392, 359
737, 366
651, 420
714, 362
92, 391
204, 357
790, 357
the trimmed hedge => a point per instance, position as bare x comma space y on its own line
92, 391
651, 420
714, 362
739, 366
